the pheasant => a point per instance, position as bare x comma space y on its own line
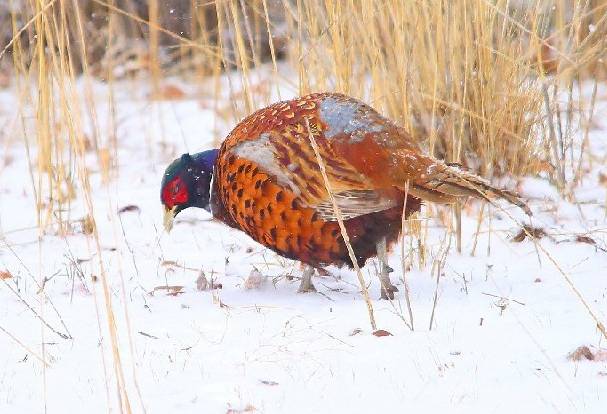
266, 181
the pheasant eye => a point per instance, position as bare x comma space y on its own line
175, 193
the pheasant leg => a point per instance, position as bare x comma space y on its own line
387, 288
306, 280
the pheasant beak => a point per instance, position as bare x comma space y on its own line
169, 215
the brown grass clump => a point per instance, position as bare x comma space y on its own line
5, 275
457, 74
584, 353
467, 78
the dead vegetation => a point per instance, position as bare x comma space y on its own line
475, 81
586, 353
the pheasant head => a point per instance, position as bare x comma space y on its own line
187, 183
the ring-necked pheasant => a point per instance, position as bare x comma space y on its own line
265, 180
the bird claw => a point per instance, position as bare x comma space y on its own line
387, 292
306, 289
322, 271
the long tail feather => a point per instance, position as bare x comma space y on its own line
454, 181
439, 182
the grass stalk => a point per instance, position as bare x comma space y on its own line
402, 259
342, 227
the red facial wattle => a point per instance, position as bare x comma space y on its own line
174, 193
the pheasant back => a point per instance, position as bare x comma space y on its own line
269, 185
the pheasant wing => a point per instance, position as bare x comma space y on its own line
277, 140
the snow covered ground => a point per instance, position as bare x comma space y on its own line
505, 319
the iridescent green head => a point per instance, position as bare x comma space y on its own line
187, 183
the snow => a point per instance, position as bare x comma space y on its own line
505, 319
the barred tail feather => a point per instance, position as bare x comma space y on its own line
443, 183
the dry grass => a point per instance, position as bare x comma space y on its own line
468, 79
459, 75
342, 228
